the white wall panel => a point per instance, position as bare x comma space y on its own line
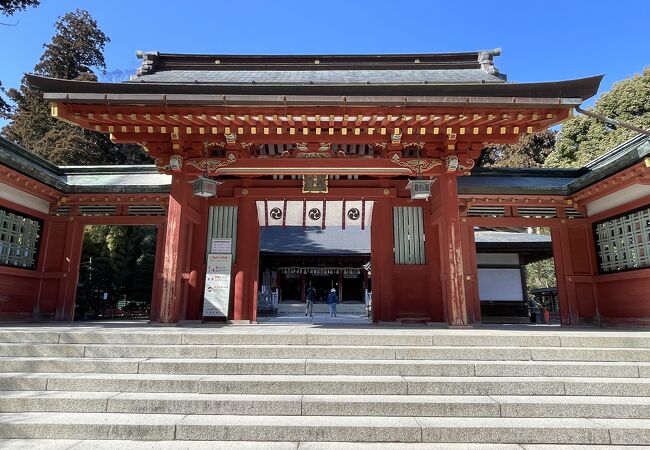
500, 284
23, 198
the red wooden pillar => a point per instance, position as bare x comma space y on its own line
171, 290
560, 248
382, 261
575, 267
471, 272
42, 257
453, 274
70, 267
197, 263
161, 234
246, 268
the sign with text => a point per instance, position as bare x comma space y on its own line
216, 295
219, 245
218, 263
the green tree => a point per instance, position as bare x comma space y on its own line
540, 274
75, 52
76, 48
530, 151
5, 109
9, 7
118, 260
583, 139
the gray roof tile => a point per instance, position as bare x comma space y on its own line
508, 237
320, 76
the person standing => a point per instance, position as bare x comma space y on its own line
310, 296
332, 300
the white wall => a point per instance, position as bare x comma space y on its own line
24, 199
500, 284
619, 198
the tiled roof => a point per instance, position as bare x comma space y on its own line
518, 181
320, 76
468, 67
73, 179
508, 237
427, 79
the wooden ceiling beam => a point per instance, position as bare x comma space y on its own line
323, 112
429, 139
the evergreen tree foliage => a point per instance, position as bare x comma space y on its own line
583, 139
5, 109
76, 48
530, 151
119, 261
9, 7
75, 52
540, 274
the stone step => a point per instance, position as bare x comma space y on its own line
323, 428
113, 444
322, 308
278, 352
309, 336
326, 405
67, 444
211, 366
326, 384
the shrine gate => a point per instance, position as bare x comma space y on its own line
385, 141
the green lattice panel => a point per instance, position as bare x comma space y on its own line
624, 242
19, 237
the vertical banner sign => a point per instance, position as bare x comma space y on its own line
216, 296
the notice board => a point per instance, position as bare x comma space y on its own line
216, 295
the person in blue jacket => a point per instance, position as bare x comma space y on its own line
332, 300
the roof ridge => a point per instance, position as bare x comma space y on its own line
154, 61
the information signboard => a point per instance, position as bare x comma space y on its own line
216, 296
219, 245
219, 263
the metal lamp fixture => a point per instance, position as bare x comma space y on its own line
420, 189
204, 186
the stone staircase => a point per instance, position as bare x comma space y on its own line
305, 387
354, 308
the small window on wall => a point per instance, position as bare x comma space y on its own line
623, 242
19, 238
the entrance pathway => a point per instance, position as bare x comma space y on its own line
317, 319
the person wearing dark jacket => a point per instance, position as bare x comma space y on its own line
310, 296
332, 300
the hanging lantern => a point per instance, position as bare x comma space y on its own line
420, 189
204, 187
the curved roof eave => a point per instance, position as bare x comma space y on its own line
550, 93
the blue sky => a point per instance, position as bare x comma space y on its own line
541, 40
